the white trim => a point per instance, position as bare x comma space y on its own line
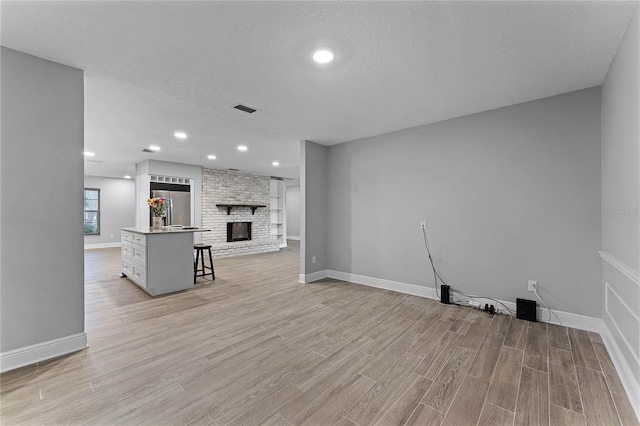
412, 289
568, 319
632, 351
314, 276
42, 351
291, 237
628, 271
615, 293
628, 379
101, 245
284, 245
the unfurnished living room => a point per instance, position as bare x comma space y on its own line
318, 213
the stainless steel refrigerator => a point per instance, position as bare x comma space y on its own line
179, 210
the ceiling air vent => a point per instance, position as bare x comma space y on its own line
245, 108
147, 150
233, 170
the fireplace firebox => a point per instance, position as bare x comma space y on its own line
238, 231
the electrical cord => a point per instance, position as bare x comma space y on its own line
473, 296
436, 275
549, 311
433, 268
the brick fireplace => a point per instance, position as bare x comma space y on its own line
232, 187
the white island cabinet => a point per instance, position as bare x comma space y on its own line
159, 260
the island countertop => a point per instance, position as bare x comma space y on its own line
165, 230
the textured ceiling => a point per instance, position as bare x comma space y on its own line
156, 67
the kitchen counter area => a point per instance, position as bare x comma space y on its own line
159, 260
165, 230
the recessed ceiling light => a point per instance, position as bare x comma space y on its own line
242, 148
323, 56
211, 157
275, 163
88, 154
154, 148
180, 135
127, 177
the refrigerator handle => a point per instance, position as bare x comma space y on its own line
169, 214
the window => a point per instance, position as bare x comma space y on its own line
91, 211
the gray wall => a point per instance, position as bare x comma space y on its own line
313, 207
292, 208
41, 185
117, 207
509, 195
621, 202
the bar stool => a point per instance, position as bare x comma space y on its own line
200, 248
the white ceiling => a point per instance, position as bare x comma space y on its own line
156, 67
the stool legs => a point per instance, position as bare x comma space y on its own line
195, 266
213, 274
200, 257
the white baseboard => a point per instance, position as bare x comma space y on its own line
101, 245
283, 245
289, 237
314, 276
628, 379
568, 319
412, 289
42, 351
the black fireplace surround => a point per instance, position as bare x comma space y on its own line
238, 231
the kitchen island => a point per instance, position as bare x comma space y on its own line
159, 260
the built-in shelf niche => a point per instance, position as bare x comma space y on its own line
278, 220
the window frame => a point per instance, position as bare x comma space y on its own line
84, 198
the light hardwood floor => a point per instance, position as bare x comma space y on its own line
256, 347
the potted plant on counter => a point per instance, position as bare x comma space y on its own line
157, 207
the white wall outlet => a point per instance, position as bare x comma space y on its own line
423, 224
313, 259
533, 285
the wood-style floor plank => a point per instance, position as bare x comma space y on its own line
256, 347
424, 415
485, 360
535, 352
506, 379
625, 410
599, 408
447, 382
582, 348
515, 337
495, 416
558, 337
559, 416
400, 410
500, 324
366, 409
563, 382
467, 404
532, 407
610, 374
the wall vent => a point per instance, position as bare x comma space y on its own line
245, 108
146, 150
